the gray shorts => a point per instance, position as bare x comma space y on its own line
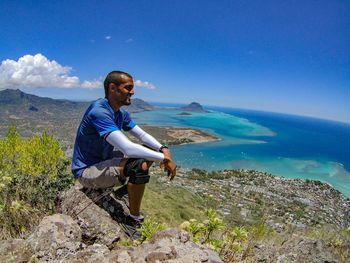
102, 175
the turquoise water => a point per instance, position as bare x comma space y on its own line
284, 145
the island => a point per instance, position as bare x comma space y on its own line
194, 107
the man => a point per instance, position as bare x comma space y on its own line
100, 132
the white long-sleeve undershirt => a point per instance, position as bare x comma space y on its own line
132, 150
146, 138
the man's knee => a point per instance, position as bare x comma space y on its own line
134, 169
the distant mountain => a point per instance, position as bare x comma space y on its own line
17, 102
33, 114
194, 106
22, 105
18, 97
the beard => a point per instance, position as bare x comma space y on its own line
127, 101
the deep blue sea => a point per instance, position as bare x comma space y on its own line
280, 144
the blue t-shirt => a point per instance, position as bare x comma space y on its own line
90, 145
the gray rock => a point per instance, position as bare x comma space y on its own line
57, 236
96, 224
91, 254
15, 250
120, 256
171, 245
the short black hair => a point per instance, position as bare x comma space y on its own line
114, 77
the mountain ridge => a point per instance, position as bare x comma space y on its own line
18, 97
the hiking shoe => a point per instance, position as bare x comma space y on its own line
114, 208
131, 227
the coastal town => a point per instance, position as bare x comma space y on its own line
252, 196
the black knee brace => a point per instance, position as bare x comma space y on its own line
134, 171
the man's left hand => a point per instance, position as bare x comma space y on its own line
168, 164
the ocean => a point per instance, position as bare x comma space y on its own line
280, 144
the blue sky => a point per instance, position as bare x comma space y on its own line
281, 56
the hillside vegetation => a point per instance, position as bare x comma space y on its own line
32, 172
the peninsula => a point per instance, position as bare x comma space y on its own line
176, 136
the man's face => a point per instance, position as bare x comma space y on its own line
122, 93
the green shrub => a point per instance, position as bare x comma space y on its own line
203, 232
232, 243
235, 243
149, 228
32, 171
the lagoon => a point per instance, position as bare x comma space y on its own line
280, 144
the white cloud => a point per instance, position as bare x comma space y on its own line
39, 72
94, 84
35, 71
108, 37
129, 40
144, 84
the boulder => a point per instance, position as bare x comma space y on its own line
57, 236
96, 224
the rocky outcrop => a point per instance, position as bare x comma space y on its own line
95, 223
84, 232
58, 238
